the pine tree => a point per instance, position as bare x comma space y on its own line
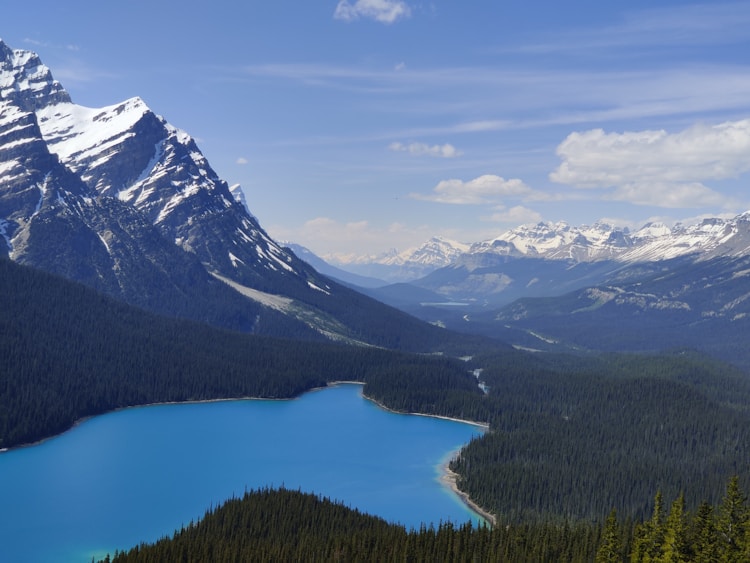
732, 524
674, 548
649, 536
610, 548
704, 535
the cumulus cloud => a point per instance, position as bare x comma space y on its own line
484, 189
517, 215
419, 149
383, 11
241, 160
656, 167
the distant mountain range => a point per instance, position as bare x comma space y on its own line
122, 201
396, 267
561, 241
557, 286
655, 241
119, 199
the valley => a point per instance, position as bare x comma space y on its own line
609, 366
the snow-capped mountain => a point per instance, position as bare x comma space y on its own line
654, 241
551, 259
435, 253
559, 241
128, 152
121, 200
407, 265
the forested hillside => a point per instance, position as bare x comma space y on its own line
282, 525
571, 436
68, 352
577, 436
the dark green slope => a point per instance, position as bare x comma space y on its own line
283, 525
68, 352
574, 437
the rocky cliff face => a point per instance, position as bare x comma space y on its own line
121, 200
26, 82
53, 220
126, 163
129, 153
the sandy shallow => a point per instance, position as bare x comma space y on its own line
449, 479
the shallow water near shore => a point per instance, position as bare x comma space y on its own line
139, 474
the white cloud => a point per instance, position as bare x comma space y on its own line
419, 149
670, 195
45, 44
517, 215
656, 167
383, 11
484, 189
241, 160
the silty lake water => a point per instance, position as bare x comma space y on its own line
139, 474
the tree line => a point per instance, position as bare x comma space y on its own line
284, 525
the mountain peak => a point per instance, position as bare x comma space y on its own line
126, 181
26, 81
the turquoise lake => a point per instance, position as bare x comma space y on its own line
139, 474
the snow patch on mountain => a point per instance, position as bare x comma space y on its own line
239, 196
77, 132
25, 81
559, 241
601, 241
410, 264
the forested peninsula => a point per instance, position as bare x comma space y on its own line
283, 525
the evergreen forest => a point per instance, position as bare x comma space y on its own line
67, 352
579, 435
284, 525
571, 438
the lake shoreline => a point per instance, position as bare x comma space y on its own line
332, 443
447, 479
482, 425
82, 420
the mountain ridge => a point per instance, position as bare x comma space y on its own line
119, 199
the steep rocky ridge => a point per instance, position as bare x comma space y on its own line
121, 200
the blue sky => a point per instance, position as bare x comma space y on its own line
356, 126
